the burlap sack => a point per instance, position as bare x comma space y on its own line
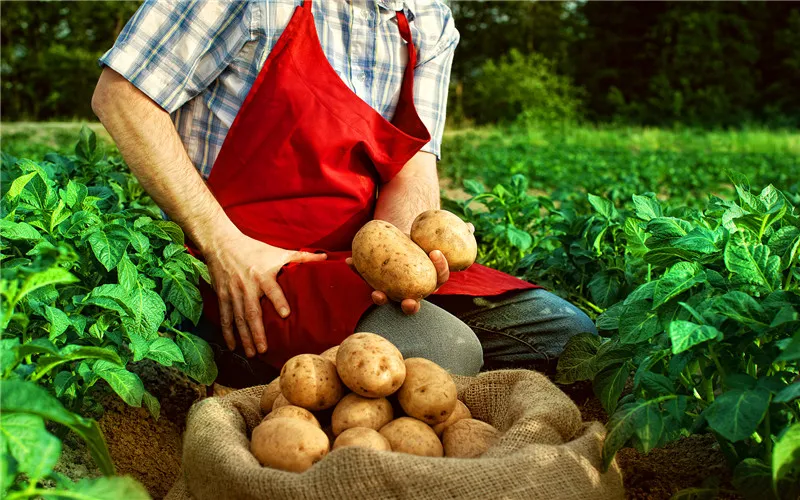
546, 453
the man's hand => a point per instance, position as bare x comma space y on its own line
242, 271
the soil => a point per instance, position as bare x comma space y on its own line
150, 450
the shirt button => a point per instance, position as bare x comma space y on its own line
362, 77
365, 13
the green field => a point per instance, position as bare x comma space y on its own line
684, 246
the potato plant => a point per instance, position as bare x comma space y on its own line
93, 280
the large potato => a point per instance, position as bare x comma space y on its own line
271, 392
363, 438
445, 231
279, 402
370, 365
310, 381
288, 444
330, 354
428, 392
357, 411
409, 435
461, 411
291, 411
468, 438
390, 262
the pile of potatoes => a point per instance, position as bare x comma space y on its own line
363, 393
400, 266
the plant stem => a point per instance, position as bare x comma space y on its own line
767, 437
716, 361
591, 305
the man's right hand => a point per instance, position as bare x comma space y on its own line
242, 271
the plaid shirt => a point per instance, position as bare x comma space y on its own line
198, 59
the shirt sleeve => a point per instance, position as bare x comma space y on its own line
432, 73
173, 50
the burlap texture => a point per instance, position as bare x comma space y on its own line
546, 452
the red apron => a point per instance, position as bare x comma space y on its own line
299, 169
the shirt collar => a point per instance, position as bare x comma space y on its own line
394, 5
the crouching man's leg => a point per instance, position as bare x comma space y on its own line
432, 333
526, 329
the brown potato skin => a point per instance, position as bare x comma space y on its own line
468, 438
357, 411
291, 411
390, 262
288, 444
363, 438
412, 436
428, 392
330, 354
445, 231
271, 392
461, 411
311, 382
370, 365
279, 402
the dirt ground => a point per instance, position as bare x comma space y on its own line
150, 450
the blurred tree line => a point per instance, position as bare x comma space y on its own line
660, 63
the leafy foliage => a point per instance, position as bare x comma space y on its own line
92, 281
699, 311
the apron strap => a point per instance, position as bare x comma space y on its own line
405, 32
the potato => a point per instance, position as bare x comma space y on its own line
409, 435
460, 411
279, 402
357, 411
445, 231
311, 382
291, 411
468, 438
288, 444
271, 392
428, 392
390, 262
363, 438
370, 365
330, 354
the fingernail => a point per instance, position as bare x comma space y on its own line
249, 352
284, 312
262, 347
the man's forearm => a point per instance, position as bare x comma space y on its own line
151, 147
412, 191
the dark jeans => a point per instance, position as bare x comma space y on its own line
525, 329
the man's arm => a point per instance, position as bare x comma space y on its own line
242, 269
412, 191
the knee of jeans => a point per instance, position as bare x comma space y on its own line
465, 350
580, 323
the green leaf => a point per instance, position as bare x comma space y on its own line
113, 297
518, 238
699, 239
108, 488
638, 323
602, 206
741, 308
27, 397
109, 246
59, 321
787, 314
35, 449
127, 274
785, 243
473, 187
647, 207
639, 417
126, 384
664, 230
608, 385
656, 384
752, 480
63, 382
75, 352
634, 237
18, 184
609, 320
649, 427
735, 414
198, 358
753, 264
8, 353
680, 277
86, 147
685, 335
786, 454
51, 276
788, 393
74, 194
148, 312
577, 360
17, 231
152, 404
182, 294
138, 345
165, 351
604, 288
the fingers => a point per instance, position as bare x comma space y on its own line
306, 257
241, 326
226, 320
275, 295
379, 298
442, 269
255, 322
410, 306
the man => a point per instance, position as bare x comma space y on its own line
271, 132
